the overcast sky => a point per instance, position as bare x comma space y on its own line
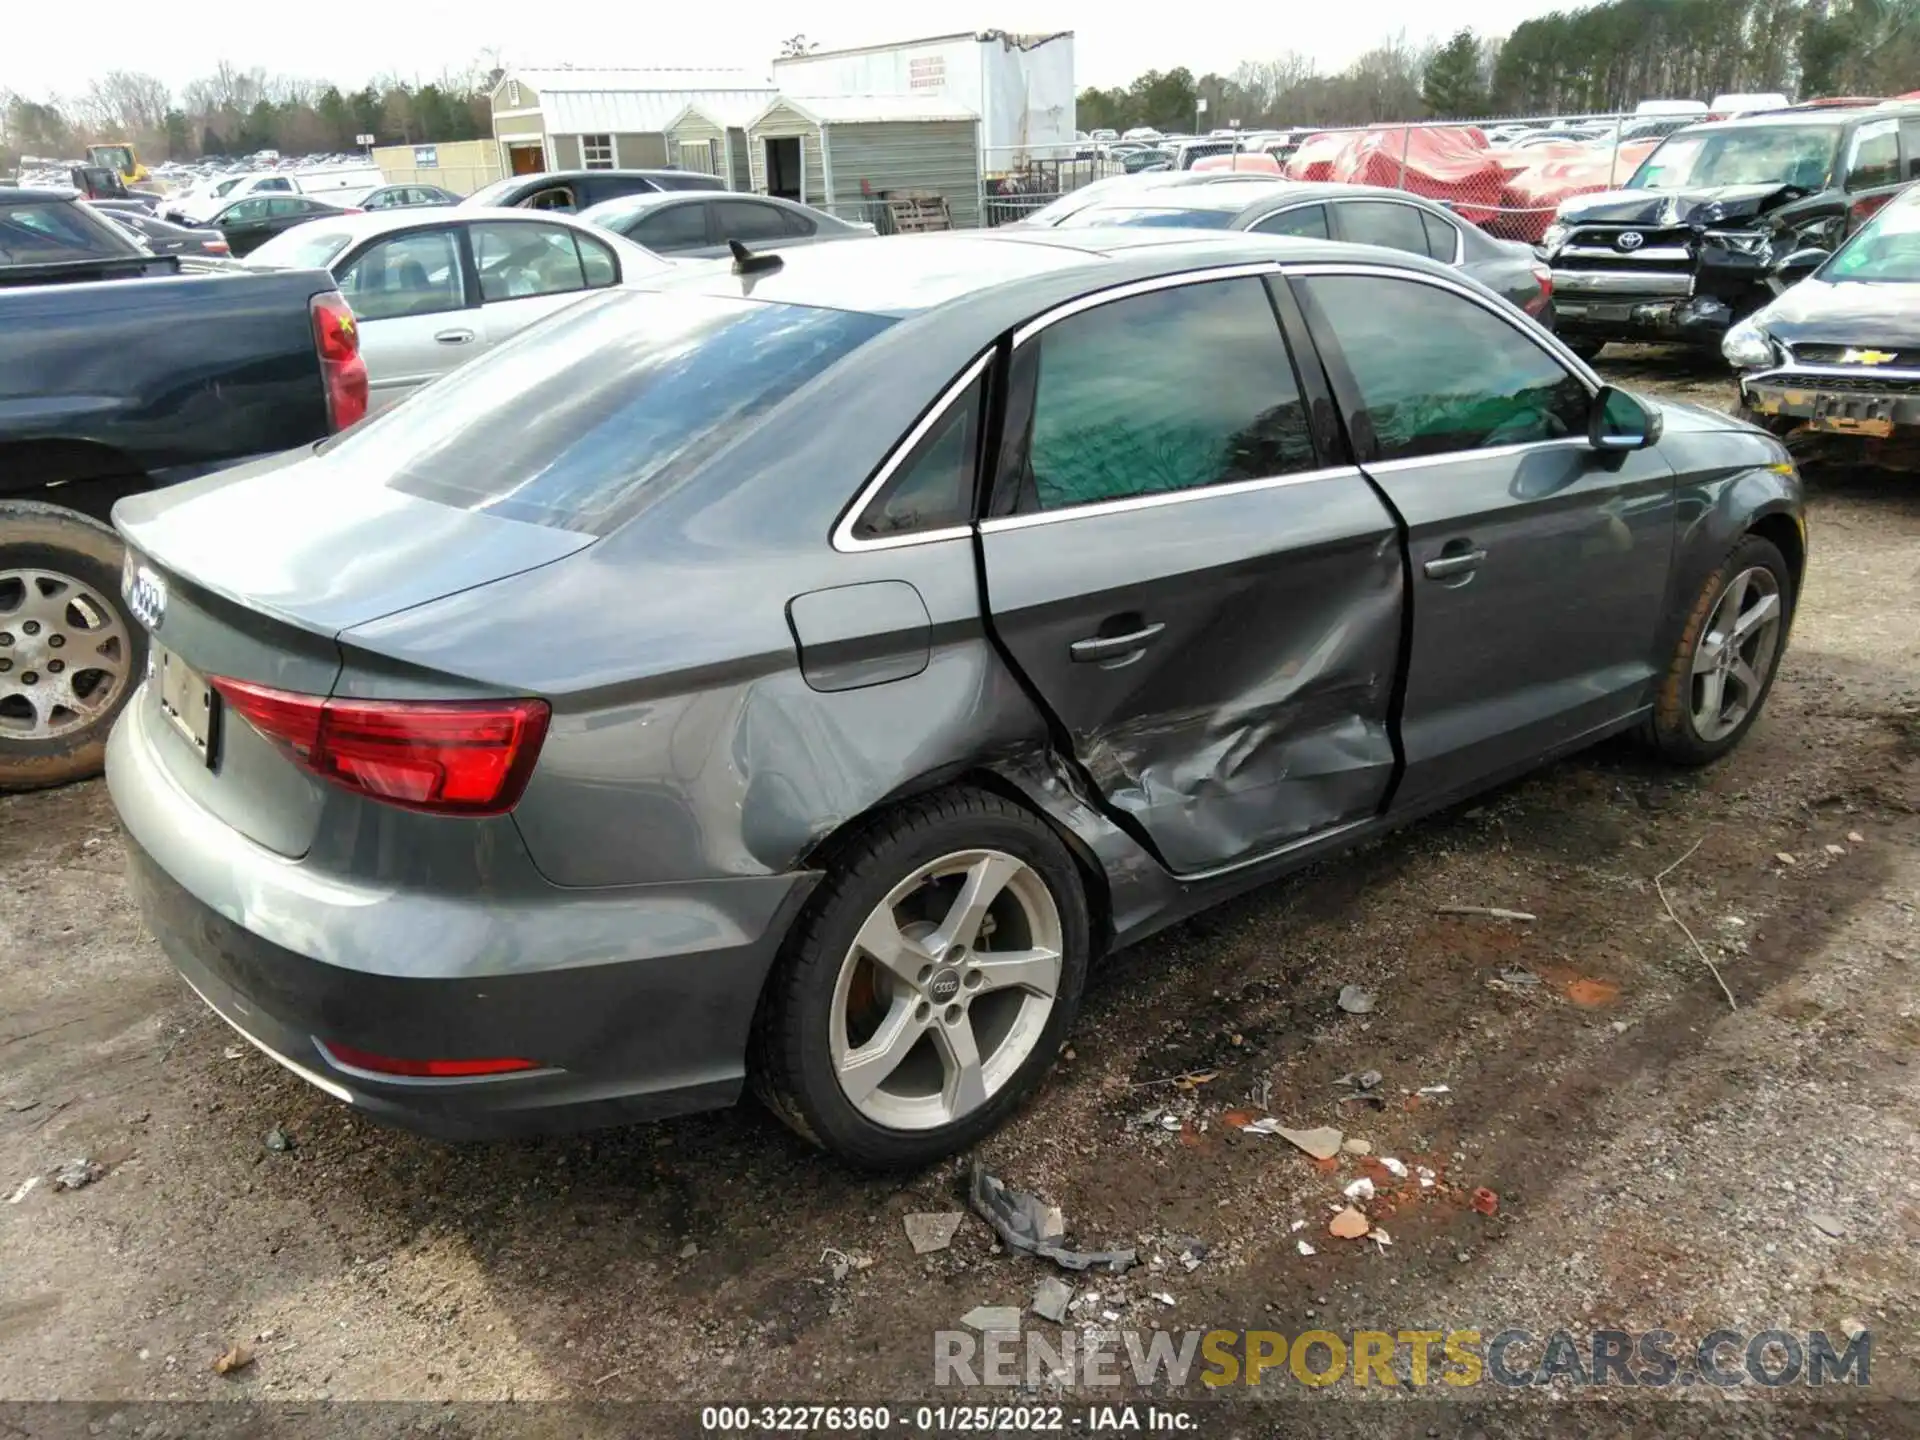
49, 49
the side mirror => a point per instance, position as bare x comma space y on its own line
1618, 421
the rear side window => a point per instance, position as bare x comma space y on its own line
1443, 241
1381, 222
1439, 374
796, 224
1308, 221
1170, 390
572, 423
933, 488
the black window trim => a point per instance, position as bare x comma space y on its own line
844, 538
1346, 391
1330, 468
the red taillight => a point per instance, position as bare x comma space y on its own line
446, 1069
215, 247
336, 335
444, 757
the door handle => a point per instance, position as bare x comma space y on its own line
1107, 647
454, 337
1450, 565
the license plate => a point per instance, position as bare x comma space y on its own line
1854, 414
1617, 313
185, 699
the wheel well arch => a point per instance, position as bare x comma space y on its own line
1783, 531
86, 475
982, 776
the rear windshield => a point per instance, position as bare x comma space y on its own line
297, 249
46, 233
569, 423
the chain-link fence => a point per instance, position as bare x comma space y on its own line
1507, 175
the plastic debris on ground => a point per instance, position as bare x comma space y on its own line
993, 1319
78, 1174
1356, 1001
1051, 1298
1265, 1125
1298, 1225
25, 1188
1363, 1087
1349, 1224
1192, 1252
1322, 1144
1427, 1177
1305, 1248
1361, 1189
840, 1264
1515, 978
1395, 1168
929, 1232
1027, 1224
1491, 912
1164, 1298
1434, 1090
1380, 1237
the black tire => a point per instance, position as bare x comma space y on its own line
1670, 731
791, 1068
34, 536
1585, 347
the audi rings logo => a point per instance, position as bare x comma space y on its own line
147, 597
945, 986
1631, 240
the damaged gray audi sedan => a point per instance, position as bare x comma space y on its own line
800, 672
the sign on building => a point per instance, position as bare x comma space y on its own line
927, 73
426, 157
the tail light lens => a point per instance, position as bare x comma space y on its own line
442, 757
215, 247
1544, 278
336, 335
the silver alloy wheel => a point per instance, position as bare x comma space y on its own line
64, 655
1735, 653
946, 990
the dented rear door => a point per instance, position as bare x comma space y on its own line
1208, 602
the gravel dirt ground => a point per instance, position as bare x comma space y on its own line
1660, 1159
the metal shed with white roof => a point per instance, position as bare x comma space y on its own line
850, 153
574, 119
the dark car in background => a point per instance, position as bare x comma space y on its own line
1356, 214
163, 237
690, 225
1834, 363
576, 190
1719, 219
122, 371
611, 731
248, 224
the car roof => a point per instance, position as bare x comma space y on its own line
379, 222
11, 196
548, 176
909, 275
1832, 118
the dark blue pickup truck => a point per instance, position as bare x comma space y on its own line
119, 372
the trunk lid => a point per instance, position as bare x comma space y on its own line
344, 550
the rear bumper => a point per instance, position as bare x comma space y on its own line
294, 962
1618, 305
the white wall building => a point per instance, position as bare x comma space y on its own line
1021, 86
